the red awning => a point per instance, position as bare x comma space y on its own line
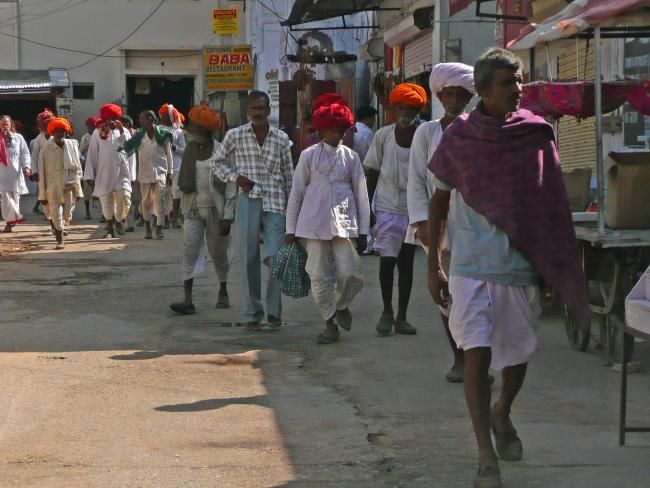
575, 17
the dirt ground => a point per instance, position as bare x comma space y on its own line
102, 386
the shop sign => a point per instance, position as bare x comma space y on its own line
228, 68
225, 22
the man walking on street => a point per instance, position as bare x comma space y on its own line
453, 84
511, 225
108, 170
84, 144
387, 164
42, 120
154, 146
15, 166
263, 170
208, 206
59, 184
171, 118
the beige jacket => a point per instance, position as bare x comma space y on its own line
54, 178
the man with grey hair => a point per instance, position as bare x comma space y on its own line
512, 231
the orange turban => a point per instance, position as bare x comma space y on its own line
327, 99
333, 116
408, 94
205, 117
110, 111
59, 123
175, 116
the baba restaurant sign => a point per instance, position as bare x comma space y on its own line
228, 68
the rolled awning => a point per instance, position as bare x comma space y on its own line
304, 11
576, 17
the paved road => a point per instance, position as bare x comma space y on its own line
104, 387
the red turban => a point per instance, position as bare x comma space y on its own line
205, 117
333, 116
175, 116
59, 123
45, 116
110, 111
408, 94
93, 121
327, 99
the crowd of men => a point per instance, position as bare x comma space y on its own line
481, 193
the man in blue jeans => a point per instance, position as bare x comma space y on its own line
263, 170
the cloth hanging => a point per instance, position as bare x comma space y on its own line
576, 98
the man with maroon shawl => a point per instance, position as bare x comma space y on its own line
512, 231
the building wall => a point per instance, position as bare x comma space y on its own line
180, 28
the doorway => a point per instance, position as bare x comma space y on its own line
150, 92
24, 109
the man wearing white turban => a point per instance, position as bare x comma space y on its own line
453, 84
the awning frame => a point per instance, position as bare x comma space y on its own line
354, 10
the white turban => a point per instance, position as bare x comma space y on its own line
451, 74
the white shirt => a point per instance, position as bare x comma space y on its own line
12, 178
392, 162
362, 139
420, 186
178, 143
156, 161
39, 144
328, 196
106, 165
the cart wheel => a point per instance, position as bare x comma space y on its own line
578, 340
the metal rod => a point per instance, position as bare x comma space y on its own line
349, 27
600, 170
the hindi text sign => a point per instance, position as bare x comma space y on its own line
225, 22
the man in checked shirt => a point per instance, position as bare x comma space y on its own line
263, 170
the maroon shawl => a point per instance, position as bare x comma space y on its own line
509, 172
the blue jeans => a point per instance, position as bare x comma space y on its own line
252, 221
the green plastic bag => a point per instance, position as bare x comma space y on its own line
289, 270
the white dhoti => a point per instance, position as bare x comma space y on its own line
61, 213
201, 230
503, 318
116, 204
333, 294
151, 201
11, 207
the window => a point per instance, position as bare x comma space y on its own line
83, 91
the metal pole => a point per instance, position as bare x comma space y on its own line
600, 170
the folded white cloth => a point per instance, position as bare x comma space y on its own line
71, 159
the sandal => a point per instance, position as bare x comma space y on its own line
508, 444
223, 301
183, 308
488, 477
330, 335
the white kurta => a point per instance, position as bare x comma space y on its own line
392, 162
328, 196
420, 185
106, 165
362, 139
12, 179
39, 144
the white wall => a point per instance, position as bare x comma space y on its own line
96, 25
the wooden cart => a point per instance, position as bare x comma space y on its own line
613, 261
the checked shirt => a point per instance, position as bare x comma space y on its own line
270, 166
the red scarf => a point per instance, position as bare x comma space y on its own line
509, 172
4, 155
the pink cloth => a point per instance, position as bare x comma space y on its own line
509, 172
4, 157
573, 98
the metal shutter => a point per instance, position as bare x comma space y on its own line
418, 55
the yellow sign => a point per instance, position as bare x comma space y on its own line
225, 22
228, 68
